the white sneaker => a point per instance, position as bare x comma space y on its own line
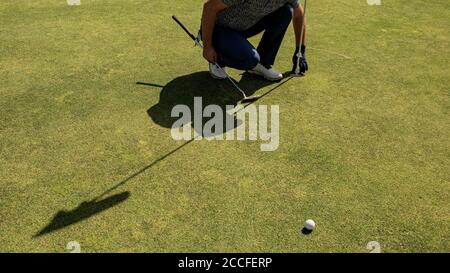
269, 74
216, 72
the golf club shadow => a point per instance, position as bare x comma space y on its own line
150, 84
85, 210
182, 90
286, 78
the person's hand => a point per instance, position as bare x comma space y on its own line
210, 54
301, 64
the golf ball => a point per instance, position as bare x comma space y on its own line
310, 224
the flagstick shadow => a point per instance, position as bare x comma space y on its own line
98, 204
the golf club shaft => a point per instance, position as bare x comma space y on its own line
231, 80
184, 28
197, 42
302, 33
221, 69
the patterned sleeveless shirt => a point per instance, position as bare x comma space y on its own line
243, 14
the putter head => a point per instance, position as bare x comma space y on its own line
297, 72
299, 67
250, 99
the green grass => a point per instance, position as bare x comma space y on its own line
365, 147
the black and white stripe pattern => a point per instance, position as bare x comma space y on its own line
243, 14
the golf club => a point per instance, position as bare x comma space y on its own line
297, 72
198, 43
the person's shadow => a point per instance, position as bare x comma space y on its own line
182, 90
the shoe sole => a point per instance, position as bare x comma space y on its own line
265, 77
216, 77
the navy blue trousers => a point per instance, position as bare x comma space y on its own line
234, 50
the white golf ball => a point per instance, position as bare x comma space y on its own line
310, 224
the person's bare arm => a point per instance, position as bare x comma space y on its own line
299, 60
298, 24
210, 10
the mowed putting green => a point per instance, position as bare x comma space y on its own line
87, 156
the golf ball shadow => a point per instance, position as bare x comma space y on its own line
306, 231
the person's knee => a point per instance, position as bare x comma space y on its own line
250, 60
286, 13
